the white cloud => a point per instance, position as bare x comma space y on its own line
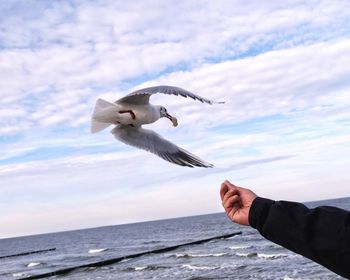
65, 48
272, 83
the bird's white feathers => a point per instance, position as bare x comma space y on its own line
97, 126
103, 115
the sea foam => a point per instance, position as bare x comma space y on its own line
94, 251
194, 267
32, 264
179, 255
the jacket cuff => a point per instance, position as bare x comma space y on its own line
259, 211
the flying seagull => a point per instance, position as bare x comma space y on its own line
134, 110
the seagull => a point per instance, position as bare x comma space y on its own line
129, 113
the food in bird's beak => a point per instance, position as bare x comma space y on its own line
173, 120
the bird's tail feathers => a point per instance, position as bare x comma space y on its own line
102, 105
102, 115
97, 126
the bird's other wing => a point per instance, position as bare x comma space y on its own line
142, 96
152, 142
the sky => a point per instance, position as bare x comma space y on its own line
282, 67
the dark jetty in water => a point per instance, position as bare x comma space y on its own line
119, 259
28, 253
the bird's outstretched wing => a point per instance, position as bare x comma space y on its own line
142, 96
152, 142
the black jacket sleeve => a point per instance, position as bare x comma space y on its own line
321, 234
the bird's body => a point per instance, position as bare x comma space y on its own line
124, 113
134, 110
143, 114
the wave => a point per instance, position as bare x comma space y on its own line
32, 264
247, 255
19, 274
271, 256
289, 278
125, 260
232, 237
145, 267
151, 242
194, 267
240, 247
200, 255
261, 255
94, 251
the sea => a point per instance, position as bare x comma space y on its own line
243, 256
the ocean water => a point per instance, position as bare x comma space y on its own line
245, 256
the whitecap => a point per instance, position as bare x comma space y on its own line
193, 267
19, 274
179, 255
232, 237
94, 251
145, 267
125, 260
140, 268
239, 247
32, 264
271, 256
249, 255
289, 278
200, 255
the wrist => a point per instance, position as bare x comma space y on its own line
258, 211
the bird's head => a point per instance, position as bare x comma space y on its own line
164, 114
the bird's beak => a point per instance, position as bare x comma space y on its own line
173, 119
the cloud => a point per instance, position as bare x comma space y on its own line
276, 82
70, 49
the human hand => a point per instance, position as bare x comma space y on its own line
236, 202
